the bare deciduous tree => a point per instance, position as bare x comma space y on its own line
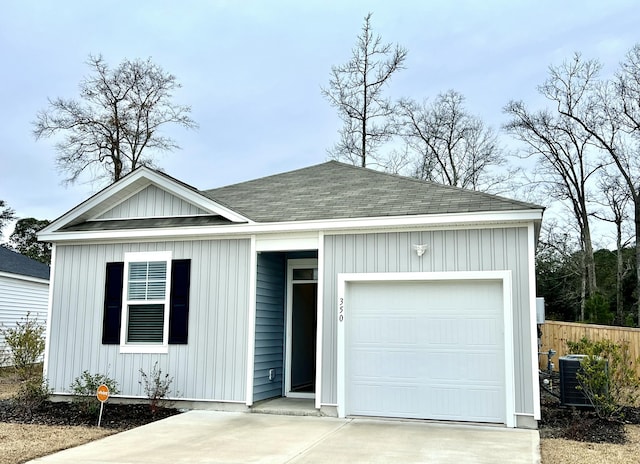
115, 125
452, 146
564, 168
356, 90
610, 112
559, 266
616, 198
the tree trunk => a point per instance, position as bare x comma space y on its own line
636, 201
590, 264
583, 288
619, 273
364, 144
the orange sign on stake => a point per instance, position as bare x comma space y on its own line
102, 393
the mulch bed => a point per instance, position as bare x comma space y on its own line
583, 424
114, 416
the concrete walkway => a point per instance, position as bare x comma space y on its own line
228, 437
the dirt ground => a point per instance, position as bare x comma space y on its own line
560, 451
21, 442
7, 388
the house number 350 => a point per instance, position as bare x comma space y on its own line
341, 309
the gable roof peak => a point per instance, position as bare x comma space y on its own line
128, 186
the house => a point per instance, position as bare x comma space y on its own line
24, 289
373, 294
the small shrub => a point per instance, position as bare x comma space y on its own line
26, 345
5, 357
156, 386
32, 394
85, 386
607, 376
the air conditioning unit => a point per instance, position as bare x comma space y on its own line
569, 394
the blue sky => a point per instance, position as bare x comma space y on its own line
252, 72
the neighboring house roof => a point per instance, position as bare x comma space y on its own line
336, 190
15, 263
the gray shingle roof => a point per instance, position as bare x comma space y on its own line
335, 190
15, 263
149, 223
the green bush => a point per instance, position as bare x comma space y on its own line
26, 345
156, 386
85, 387
5, 357
607, 376
598, 311
32, 393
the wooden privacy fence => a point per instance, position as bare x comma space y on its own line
555, 335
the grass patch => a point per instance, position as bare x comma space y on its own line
22, 442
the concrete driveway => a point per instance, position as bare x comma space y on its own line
230, 437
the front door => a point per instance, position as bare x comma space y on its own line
302, 298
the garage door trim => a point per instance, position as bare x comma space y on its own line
343, 317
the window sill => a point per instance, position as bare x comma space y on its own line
150, 349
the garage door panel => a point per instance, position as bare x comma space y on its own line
483, 368
446, 294
427, 367
462, 367
430, 350
400, 330
384, 364
398, 401
459, 330
454, 330
477, 405
412, 401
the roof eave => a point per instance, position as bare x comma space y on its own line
365, 224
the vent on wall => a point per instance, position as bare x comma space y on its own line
569, 394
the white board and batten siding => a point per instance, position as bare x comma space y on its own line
211, 367
21, 295
449, 251
152, 201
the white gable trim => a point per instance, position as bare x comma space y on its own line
355, 225
11, 275
47, 336
129, 186
531, 251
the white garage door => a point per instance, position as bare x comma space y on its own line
428, 350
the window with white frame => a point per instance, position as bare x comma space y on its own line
146, 292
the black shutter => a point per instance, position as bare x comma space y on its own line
179, 301
112, 304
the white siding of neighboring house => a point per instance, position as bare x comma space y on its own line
20, 295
